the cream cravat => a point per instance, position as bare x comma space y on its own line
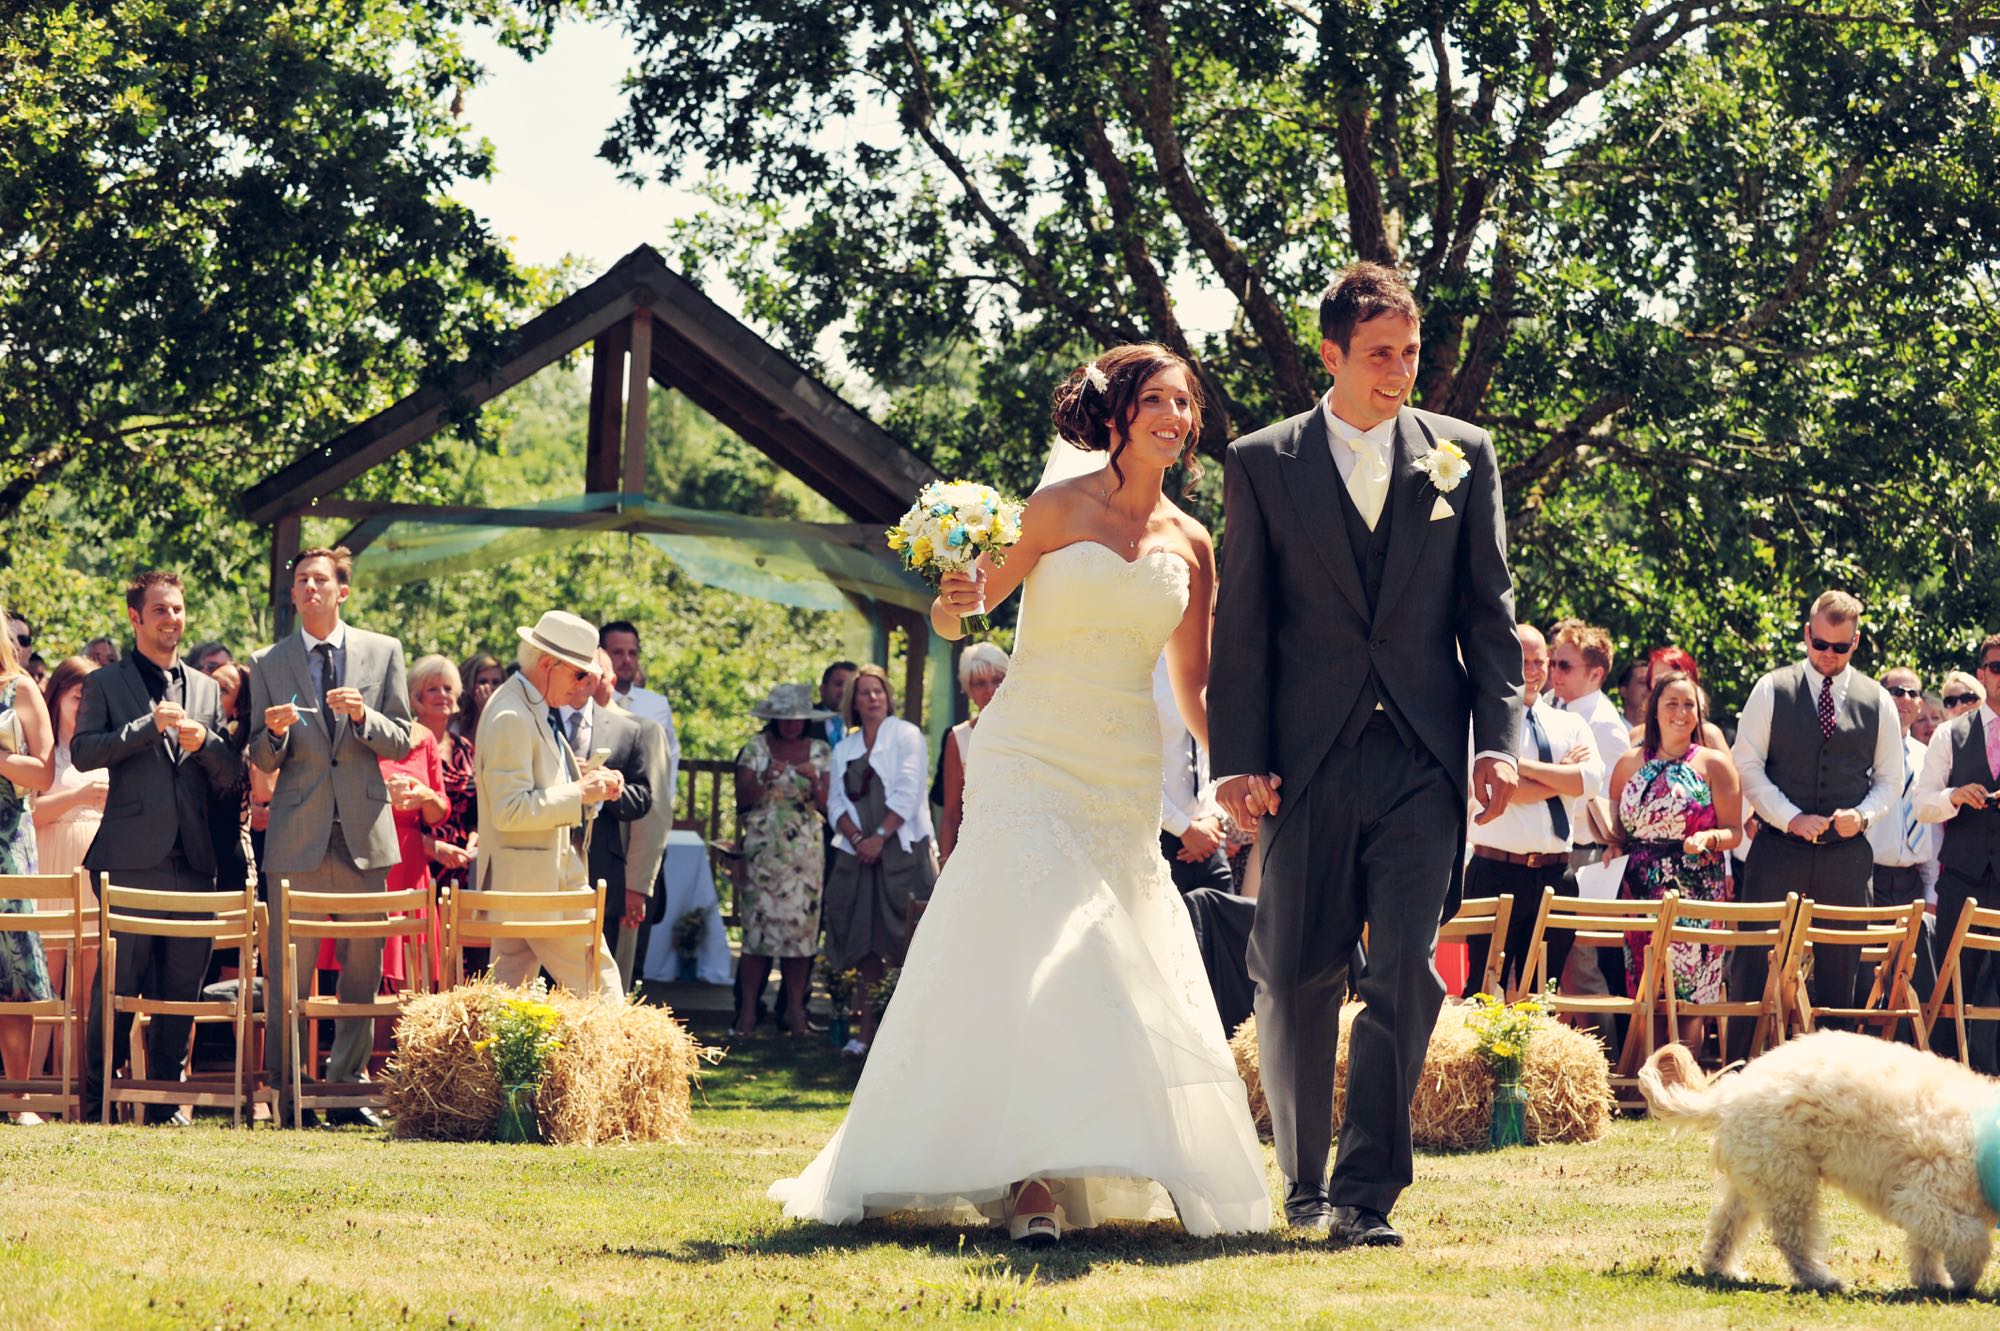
1368, 483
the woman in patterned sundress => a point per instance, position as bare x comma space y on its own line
27, 766
781, 791
1680, 808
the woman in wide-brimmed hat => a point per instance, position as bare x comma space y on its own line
781, 779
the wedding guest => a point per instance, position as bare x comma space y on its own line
982, 668
1960, 694
229, 811
1821, 758
21, 634
533, 795
415, 783
599, 729
1580, 659
1670, 657
158, 726
450, 842
38, 669
101, 652
1928, 719
781, 800
27, 768
832, 689
1680, 811
881, 813
1527, 848
327, 702
67, 816
208, 656
620, 639
1959, 788
1902, 844
1632, 689
1191, 835
479, 675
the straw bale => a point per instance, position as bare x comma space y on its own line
1566, 1078
622, 1071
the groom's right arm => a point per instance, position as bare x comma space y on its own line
1239, 710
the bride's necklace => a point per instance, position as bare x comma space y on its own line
1132, 545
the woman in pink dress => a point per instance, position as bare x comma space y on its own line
416, 785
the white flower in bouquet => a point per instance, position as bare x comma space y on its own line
950, 526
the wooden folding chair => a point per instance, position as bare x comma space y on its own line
69, 926
225, 919
1977, 930
1888, 937
1483, 917
1592, 922
399, 919
480, 917
1729, 925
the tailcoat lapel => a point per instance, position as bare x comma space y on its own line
1410, 496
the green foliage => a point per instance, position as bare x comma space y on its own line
521, 1034
1718, 276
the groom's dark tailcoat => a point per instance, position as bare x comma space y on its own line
1319, 619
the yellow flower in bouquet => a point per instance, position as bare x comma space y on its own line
951, 524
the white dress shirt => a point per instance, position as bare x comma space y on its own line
1381, 439
1753, 748
336, 640
1181, 781
1901, 840
900, 760
1933, 793
1607, 728
1527, 829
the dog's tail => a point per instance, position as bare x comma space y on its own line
1675, 1087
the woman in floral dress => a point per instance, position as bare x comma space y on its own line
27, 766
781, 779
1679, 813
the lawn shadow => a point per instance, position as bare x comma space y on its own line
1885, 1297
1161, 1243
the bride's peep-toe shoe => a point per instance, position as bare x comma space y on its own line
1035, 1229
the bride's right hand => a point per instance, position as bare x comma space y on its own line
962, 592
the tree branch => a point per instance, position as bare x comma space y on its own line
1445, 147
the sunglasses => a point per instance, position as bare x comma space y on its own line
1990, 667
1898, 691
1837, 648
1960, 699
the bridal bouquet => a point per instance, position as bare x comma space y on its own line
949, 527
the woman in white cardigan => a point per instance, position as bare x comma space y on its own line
879, 805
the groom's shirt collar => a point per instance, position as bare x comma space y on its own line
1382, 437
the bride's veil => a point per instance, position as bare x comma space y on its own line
1066, 460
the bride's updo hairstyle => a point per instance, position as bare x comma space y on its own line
1093, 408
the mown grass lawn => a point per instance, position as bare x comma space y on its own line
206, 1227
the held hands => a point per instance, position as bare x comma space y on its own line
1493, 784
1808, 826
1249, 797
635, 908
1973, 796
449, 856
347, 702
1847, 823
602, 784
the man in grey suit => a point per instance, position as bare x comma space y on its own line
157, 724
326, 703
616, 851
1365, 623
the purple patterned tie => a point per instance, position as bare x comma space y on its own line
1826, 706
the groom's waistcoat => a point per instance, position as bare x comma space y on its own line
1814, 771
1371, 558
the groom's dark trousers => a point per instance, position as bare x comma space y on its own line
1386, 817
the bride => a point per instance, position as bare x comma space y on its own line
1052, 1056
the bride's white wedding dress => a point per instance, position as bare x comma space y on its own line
1053, 1019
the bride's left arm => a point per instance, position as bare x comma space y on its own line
1187, 648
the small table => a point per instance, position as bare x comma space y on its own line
690, 885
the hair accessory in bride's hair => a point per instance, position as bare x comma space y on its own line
1095, 377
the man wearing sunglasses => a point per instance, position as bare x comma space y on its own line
1821, 756
1960, 788
1905, 846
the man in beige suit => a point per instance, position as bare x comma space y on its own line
532, 795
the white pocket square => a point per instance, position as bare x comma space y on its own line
1440, 510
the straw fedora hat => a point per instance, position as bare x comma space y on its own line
568, 638
789, 702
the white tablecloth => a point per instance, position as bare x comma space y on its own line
690, 885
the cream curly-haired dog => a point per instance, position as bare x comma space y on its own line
1889, 1125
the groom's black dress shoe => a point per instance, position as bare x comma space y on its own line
1361, 1227
1307, 1210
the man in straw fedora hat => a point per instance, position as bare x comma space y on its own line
533, 796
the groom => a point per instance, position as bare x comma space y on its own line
1365, 623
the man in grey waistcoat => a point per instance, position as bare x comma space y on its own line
1960, 788
1364, 632
1821, 756
326, 704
